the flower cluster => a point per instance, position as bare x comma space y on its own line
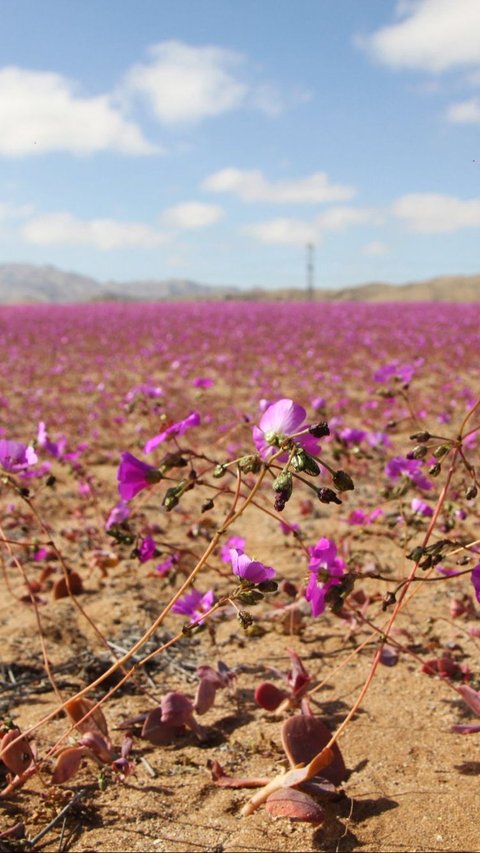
326, 571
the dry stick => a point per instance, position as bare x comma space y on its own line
158, 621
57, 818
46, 662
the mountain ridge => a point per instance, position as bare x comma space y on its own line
29, 283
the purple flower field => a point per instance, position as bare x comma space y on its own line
145, 451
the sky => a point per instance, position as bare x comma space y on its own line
214, 140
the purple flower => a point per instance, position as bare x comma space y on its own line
234, 542
250, 570
419, 507
352, 436
287, 528
475, 578
165, 566
118, 513
194, 604
279, 422
326, 569
134, 475
202, 382
178, 428
411, 468
393, 369
15, 456
55, 448
146, 549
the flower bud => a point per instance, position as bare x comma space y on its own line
471, 493
435, 470
250, 464
319, 430
302, 461
284, 485
421, 436
342, 481
418, 452
328, 496
219, 471
441, 451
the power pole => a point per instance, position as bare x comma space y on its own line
310, 269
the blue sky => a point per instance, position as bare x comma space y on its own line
214, 139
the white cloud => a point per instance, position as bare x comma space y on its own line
465, 112
39, 112
252, 186
10, 211
433, 36
105, 234
295, 232
192, 214
186, 84
375, 249
432, 213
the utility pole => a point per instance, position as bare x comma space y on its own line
310, 269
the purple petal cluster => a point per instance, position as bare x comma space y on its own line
326, 570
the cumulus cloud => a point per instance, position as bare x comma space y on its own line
433, 213
465, 112
295, 232
252, 186
192, 214
432, 35
105, 234
40, 111
186, 84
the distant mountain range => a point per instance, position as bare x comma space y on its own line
27, 283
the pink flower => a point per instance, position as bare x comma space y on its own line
279, 422
117, 514
178, 428
202, 382
326, 569
475, 578
164, 567
419, 507
146, 549
194, 604
134, 475
250, 570
234, 542
15, 456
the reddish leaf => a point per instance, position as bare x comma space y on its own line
16, 756
305, 737
61, 589
269, 696
76, 710
205, 695
68, 763
177, 709
298, 676
99, 746
445, 667
158, 732
288, 802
